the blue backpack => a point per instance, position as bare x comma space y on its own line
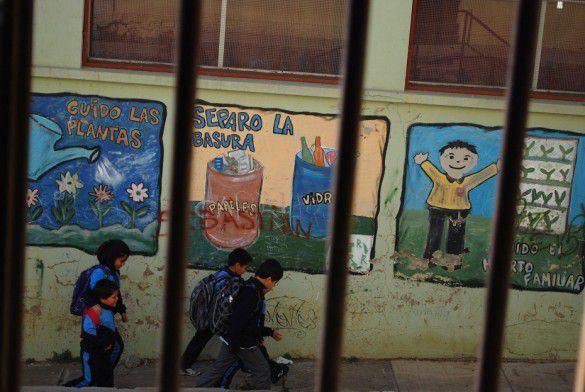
81, 290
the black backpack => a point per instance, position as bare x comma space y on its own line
226, 290
208, 308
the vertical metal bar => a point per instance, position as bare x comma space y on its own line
17, 82
5, 56
222, 29
539, 45
520, 71
190, 16
340, 224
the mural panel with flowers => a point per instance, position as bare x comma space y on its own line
94, 171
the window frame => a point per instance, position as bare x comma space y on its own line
225, 72
471, 90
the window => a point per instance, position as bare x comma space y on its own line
264, 38
463, 46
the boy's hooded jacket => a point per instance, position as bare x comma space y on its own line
246, 326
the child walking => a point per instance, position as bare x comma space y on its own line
246, 331
112, 255
98, 337
237, 264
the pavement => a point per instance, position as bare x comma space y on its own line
398, 375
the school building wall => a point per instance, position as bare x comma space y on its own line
402, 308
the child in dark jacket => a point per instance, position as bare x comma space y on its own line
98, 337
246, 331
237, 264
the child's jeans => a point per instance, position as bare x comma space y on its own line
252, 359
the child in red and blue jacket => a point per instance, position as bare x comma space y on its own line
98, 337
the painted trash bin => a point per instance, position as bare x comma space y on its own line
232, 202
311, 196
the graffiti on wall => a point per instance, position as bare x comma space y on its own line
448, 203
94, 171
262, 181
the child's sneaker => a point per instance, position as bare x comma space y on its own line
278, 372
189, 372
63, 375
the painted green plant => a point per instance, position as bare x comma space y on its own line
566, 152
546, 151
564, 173
526, 171
528, 147
548, 220
560, 197
64, 208
138, 194
547, 173
33, 211
102, 196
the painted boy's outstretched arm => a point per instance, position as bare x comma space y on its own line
484, 174
427, 167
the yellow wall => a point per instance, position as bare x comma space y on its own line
386, 317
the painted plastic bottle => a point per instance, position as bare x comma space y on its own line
319, 153
306, 152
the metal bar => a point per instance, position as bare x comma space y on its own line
17, 83
520, 71
5, 56
222, 29
539, 45
190, 16
340, 224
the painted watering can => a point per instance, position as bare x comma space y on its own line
43, 156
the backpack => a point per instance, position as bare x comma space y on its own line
221, 307
200, 302
81, 290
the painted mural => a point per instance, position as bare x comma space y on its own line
94, 171
262, 181
444, 225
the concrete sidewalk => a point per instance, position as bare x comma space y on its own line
359, 375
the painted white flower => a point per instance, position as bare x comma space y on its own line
137, 192
32, 197
69, 183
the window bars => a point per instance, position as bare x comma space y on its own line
15, 25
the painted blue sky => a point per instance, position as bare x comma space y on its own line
430, 138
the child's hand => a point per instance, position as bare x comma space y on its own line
124, 317
97, 309
499, 164
420, 158
276, 335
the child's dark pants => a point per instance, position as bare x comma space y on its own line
195, 346
252, 359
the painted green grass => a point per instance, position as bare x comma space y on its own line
413, 228
140, 242
277, 240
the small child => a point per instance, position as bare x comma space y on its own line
237, 264
246, 332
112, 256
98, 336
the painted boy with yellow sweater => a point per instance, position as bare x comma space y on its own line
449, 197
